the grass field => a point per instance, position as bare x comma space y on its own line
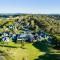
29, 52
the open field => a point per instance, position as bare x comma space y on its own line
28, 52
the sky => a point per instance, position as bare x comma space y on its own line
30, 6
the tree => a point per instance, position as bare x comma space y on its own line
32, 23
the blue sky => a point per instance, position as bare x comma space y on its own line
30, 6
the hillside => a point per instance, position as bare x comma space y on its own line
30, 33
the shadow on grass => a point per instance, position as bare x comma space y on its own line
9, 46
41, 45
5, 55
44, 47
49, 57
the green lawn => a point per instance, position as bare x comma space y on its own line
30, 51
17, 53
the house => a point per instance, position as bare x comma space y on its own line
21, 37
25, 37
5, 36
5, 39
42, 35
30, 38
11, 27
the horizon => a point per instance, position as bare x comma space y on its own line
30, 7
30, 13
